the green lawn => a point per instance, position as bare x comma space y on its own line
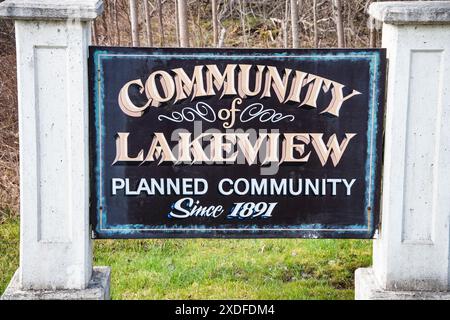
217, 269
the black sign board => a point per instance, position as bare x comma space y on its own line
243, 143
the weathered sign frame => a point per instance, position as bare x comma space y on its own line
376, 59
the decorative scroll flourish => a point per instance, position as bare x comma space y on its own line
201, 110
256, 110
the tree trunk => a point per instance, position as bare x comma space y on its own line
214, 22
177, 25
339, 23
197, 25
94, 33
116, 23
104, 19
134, 23
183, 23
286, 24
294, 24
372, 32
242, 14
222, 38
264, 9
148, 24
161, 26
316, 36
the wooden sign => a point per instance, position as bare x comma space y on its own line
236, 143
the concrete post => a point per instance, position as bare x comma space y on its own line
55, 248
411, 256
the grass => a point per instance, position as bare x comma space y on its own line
9, 249
217, 269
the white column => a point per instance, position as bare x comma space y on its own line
411, 257
52, 40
